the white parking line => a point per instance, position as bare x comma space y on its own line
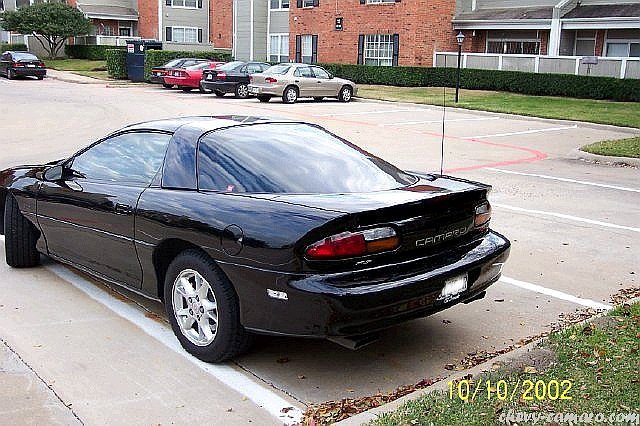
524, 132
453, 120
557, 294
259, 394
566, 216
581, 182
389, 111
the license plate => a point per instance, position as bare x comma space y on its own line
256, 90
453, 288
30, 66
209, 77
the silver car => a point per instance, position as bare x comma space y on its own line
293, 81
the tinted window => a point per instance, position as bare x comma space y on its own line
190, 62
173, 63
201, 66
229, 66
252, 158
130, 157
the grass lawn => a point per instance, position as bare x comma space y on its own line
95, 69
604, 112
600, 362
619, 148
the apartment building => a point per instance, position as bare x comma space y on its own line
261, 30
550, 27
373, 32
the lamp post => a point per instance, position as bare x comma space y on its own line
460, 38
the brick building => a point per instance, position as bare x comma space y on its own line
375, 32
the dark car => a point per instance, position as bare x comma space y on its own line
15, 64
158, 73
199, 213
231, 78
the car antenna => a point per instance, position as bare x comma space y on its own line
444, 114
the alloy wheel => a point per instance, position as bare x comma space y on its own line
195, 307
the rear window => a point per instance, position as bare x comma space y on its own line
290, 158
278, 69
173, 63
24, 56
229, 66
200, 66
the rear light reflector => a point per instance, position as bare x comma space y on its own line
352, 244
483, 215
270, 80
222, 75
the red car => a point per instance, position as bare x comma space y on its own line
189, 78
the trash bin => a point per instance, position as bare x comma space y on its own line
135, 57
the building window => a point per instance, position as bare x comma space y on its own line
279, 4
279, 48
184, 34
124, 31
585, 43
192, 4
623, 43
308, 3
307, 48
513, 42
380, 1
378, 50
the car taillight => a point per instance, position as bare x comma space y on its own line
17, 65
250, 79
483, 215
270, 80
351, 244
222, 75
41, 64
179, 73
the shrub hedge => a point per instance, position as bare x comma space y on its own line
566, 85
92, 52
20, 47
117, 63
154, 58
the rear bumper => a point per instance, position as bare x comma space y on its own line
32, 72
220, 86
259, 90
181, 82
362, 302
156, 79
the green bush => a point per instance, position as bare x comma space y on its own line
566, 85
92, 52
117, 63
155, 58
20, 47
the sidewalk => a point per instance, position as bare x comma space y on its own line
72, 78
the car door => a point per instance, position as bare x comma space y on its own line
88, 216
304, 79
325, 86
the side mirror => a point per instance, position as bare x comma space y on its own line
330, 76
54, 173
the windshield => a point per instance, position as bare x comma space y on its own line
19, 56
250, 159
278, 69
229, 66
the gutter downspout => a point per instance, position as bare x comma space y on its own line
160, 32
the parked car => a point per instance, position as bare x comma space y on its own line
199, 213
14, 64
189, 78
232, 77
158, 73
293, 81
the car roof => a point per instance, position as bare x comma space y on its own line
205, 123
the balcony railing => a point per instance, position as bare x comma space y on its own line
104, 40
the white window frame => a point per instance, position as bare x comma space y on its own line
125, 28
305, 3
376, 41
184, 29
183, 6
280, 7
306, 46
380, 1
627, 41
593, 39
281, 54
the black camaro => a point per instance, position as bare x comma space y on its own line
245, 224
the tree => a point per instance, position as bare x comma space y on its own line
51, 23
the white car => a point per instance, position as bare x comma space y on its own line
293, 81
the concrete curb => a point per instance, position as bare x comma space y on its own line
578, 154
72, 78
443, 385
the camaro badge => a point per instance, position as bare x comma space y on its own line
439, 238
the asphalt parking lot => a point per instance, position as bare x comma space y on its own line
77, 351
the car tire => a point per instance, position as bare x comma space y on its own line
290, 95
318, 98
167, 86
242, 91
264, 98
20, 237
346, 93
40, 77
192, 278
11, 74
203, 90
219, 93
186, 89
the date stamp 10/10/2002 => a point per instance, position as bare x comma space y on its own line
502, 390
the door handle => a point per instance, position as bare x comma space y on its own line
296, 81
123, 209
